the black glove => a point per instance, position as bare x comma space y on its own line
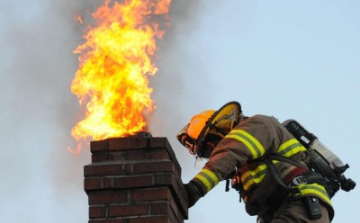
193, 193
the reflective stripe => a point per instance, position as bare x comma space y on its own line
249, 178
290, 148
205, 181
255, 147
208, 178
317, 189
212, 175
254, 177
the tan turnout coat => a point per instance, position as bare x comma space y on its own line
243, 148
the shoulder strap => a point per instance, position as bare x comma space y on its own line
275, 156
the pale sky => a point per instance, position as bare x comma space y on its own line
289, 59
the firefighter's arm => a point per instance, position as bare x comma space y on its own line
247, 141
193, 193
219, 167
200, 185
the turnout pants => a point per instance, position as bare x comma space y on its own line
296, 212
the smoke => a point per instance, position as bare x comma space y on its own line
180, 69
38, 110
175, 66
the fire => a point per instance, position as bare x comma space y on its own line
79, 18
115, 62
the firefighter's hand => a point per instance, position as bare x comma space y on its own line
193, 193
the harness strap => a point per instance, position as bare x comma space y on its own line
307, 177
297, 171
279, 157
273, 171
292, 190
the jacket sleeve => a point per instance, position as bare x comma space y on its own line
251, 139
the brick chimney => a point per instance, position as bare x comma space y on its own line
134, 179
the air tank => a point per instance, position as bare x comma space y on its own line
312, 143
323, 159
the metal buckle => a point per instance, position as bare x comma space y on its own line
299, 180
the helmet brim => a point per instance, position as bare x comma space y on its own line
231, 110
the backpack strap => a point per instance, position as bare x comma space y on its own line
307, 178
271, 167
278, 157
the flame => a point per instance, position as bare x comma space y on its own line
79, 18
115, 62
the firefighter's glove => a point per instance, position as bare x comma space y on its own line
193, 193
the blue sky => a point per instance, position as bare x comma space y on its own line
289, 59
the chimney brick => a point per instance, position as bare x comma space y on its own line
134, 180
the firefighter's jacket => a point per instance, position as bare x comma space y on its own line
243, 148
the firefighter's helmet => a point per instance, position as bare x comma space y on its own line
207, 128
198, 122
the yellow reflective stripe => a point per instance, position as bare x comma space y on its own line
286, 144
203, 180
208, 178
211, 175
248, 181
258, 170
245, 177
253, 181
255, 176
290, 148
254, 146
311, 189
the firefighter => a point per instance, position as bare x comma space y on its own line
248, 151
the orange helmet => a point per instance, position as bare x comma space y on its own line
207, 128
198, 122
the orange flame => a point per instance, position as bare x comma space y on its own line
115, 62
79, 18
